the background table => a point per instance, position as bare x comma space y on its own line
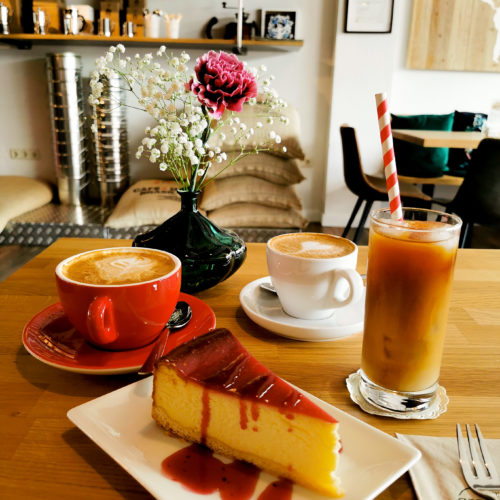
42, 455
439, 138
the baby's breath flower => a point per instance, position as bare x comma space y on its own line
178, 140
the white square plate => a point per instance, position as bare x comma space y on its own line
120, 423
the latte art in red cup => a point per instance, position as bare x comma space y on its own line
119, 298
118, 268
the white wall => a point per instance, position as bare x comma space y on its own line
369, 63
303, 77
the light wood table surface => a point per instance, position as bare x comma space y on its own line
43, 455
439, 138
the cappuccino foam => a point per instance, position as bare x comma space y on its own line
312, 245
118, 267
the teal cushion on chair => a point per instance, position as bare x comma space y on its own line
417, 161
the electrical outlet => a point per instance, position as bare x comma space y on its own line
24, 154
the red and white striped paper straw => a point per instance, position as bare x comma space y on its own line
391, 174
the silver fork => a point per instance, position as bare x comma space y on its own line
478, 469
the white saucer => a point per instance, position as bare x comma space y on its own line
264, 308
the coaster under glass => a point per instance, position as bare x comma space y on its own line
436, 407
400, 401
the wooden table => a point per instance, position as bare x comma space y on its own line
42, 454
439, 138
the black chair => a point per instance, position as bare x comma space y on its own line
367, 187
478, 199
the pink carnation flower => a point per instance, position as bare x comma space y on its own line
223, 82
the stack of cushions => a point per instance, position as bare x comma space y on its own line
21, 194
463, 121
257, 191
417, 161
147, 202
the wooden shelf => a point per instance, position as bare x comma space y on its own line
26, 41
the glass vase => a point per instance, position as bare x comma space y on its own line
209, 254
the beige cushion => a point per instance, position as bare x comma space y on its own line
250, 115
265, 166
147, 202
247, 189
21, 194
253, 215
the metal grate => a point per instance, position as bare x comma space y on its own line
43, 226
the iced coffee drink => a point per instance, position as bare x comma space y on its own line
409, 280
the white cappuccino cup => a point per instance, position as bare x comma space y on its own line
314, 273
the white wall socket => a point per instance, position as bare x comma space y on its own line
24, 154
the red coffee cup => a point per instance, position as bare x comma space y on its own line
119, 298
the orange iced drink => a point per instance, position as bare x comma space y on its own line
409, 279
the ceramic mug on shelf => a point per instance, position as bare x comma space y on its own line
152, 24
172, 25
119, 298
73, 22
314, 273
88, 13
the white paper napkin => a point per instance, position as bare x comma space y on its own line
438, 475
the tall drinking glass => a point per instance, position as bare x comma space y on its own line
409, 278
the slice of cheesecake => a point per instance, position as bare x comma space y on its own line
210, 390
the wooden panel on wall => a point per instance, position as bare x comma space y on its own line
455, 35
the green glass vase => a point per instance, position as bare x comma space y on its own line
209, 254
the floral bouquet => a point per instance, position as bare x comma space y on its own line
189, 108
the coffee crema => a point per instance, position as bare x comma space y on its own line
312, 245
118, 267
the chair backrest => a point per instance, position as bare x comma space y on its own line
478, 198
354, 176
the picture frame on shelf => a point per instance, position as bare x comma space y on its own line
279, 24
368, 16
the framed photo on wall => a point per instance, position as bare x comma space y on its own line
368, 16
279, 24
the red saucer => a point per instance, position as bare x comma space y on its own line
50, 337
